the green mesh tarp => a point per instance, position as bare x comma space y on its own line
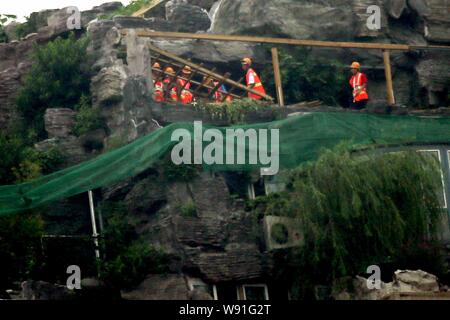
301, 138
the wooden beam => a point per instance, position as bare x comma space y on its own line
388, 74
197, 83
230, 92
309, 43
216, 88
277, 75
142, 11
206, 71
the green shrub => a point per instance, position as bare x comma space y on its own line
20, 253
356, 212
59, 77
189, 210
21, 163
235, 112
87, 118
128, 259
30, 26
307, 78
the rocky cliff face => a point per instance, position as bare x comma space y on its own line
218, 244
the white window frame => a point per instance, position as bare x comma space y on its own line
261, 285
442, 173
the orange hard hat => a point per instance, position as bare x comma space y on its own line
355, 65
247, 61
156, 65
169, 70
187, 70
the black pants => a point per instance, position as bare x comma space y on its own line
359, 105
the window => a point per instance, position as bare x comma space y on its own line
442, 195
253, 292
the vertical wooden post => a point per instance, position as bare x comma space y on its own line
277, 74
388, 73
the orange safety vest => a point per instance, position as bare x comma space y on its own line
186, 95
257, 82
356, 82
158, 93
173, 93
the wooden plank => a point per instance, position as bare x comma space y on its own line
298, 42
200, 84
388, 74
215, 75
277, 75
227, 76
230, 92
142, 11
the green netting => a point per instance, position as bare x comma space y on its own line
301, 139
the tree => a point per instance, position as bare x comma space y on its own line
59, 77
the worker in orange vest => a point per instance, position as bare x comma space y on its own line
158, 86
358, 82
221, 93
170, 86
184, 85
252, 78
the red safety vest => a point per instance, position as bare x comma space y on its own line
173, 93
186, 95
253, 78
158, 93
356, 82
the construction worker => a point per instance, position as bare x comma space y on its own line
170, 86
158, 86
252, 78
221, 93
184, 85
358, 82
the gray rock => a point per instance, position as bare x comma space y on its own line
59, 122
10, 31
437, 21
40, 290
153, 23
205, 4
415, 281
187, 18
286, 18
396, 8
107, 86
159, 287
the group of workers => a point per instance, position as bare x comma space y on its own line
170, 87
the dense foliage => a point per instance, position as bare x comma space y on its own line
87, 118
20, 162
356, 212
20, 253
59, 77
307, 78
128, 258
237, 111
